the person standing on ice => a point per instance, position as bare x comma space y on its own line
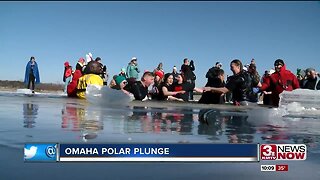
187, 69
67, 75
133, 69
279, 81
32, 76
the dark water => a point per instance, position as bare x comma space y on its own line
52, 119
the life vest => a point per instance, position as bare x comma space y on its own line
84, 81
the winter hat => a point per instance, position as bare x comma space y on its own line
278, 62
174, 67
308, 70
159, 73
66, 64
123, 70
88, 57
119, 79
98, 59
81, 60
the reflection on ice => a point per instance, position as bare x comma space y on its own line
88, 122
234, 125
268, 125
30, 112
160, 120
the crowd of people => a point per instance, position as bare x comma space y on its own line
241, 88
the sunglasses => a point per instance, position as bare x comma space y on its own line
278, 64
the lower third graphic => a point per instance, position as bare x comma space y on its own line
40, 152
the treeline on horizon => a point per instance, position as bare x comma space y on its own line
20, 85
6, 84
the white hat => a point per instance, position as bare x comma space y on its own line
133, 58
88, 58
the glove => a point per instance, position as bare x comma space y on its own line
255, 90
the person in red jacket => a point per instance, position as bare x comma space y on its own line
281, 80
67, 75
72, 87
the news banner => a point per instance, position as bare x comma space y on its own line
55, 152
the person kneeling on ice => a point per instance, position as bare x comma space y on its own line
92, 77
139, 89
240, 84
166, 89
183, 86
215, 79
119, 83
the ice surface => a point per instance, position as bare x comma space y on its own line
24, 91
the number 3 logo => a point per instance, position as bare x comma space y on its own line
267, 150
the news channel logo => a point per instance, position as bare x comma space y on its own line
40, 152
283, 152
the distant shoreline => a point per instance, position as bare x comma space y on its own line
7, 85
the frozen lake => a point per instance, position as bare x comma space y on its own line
64, 120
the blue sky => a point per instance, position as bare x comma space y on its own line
156, 32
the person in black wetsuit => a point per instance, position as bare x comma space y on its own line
216, 80
212, 72
240, 84
139, 89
